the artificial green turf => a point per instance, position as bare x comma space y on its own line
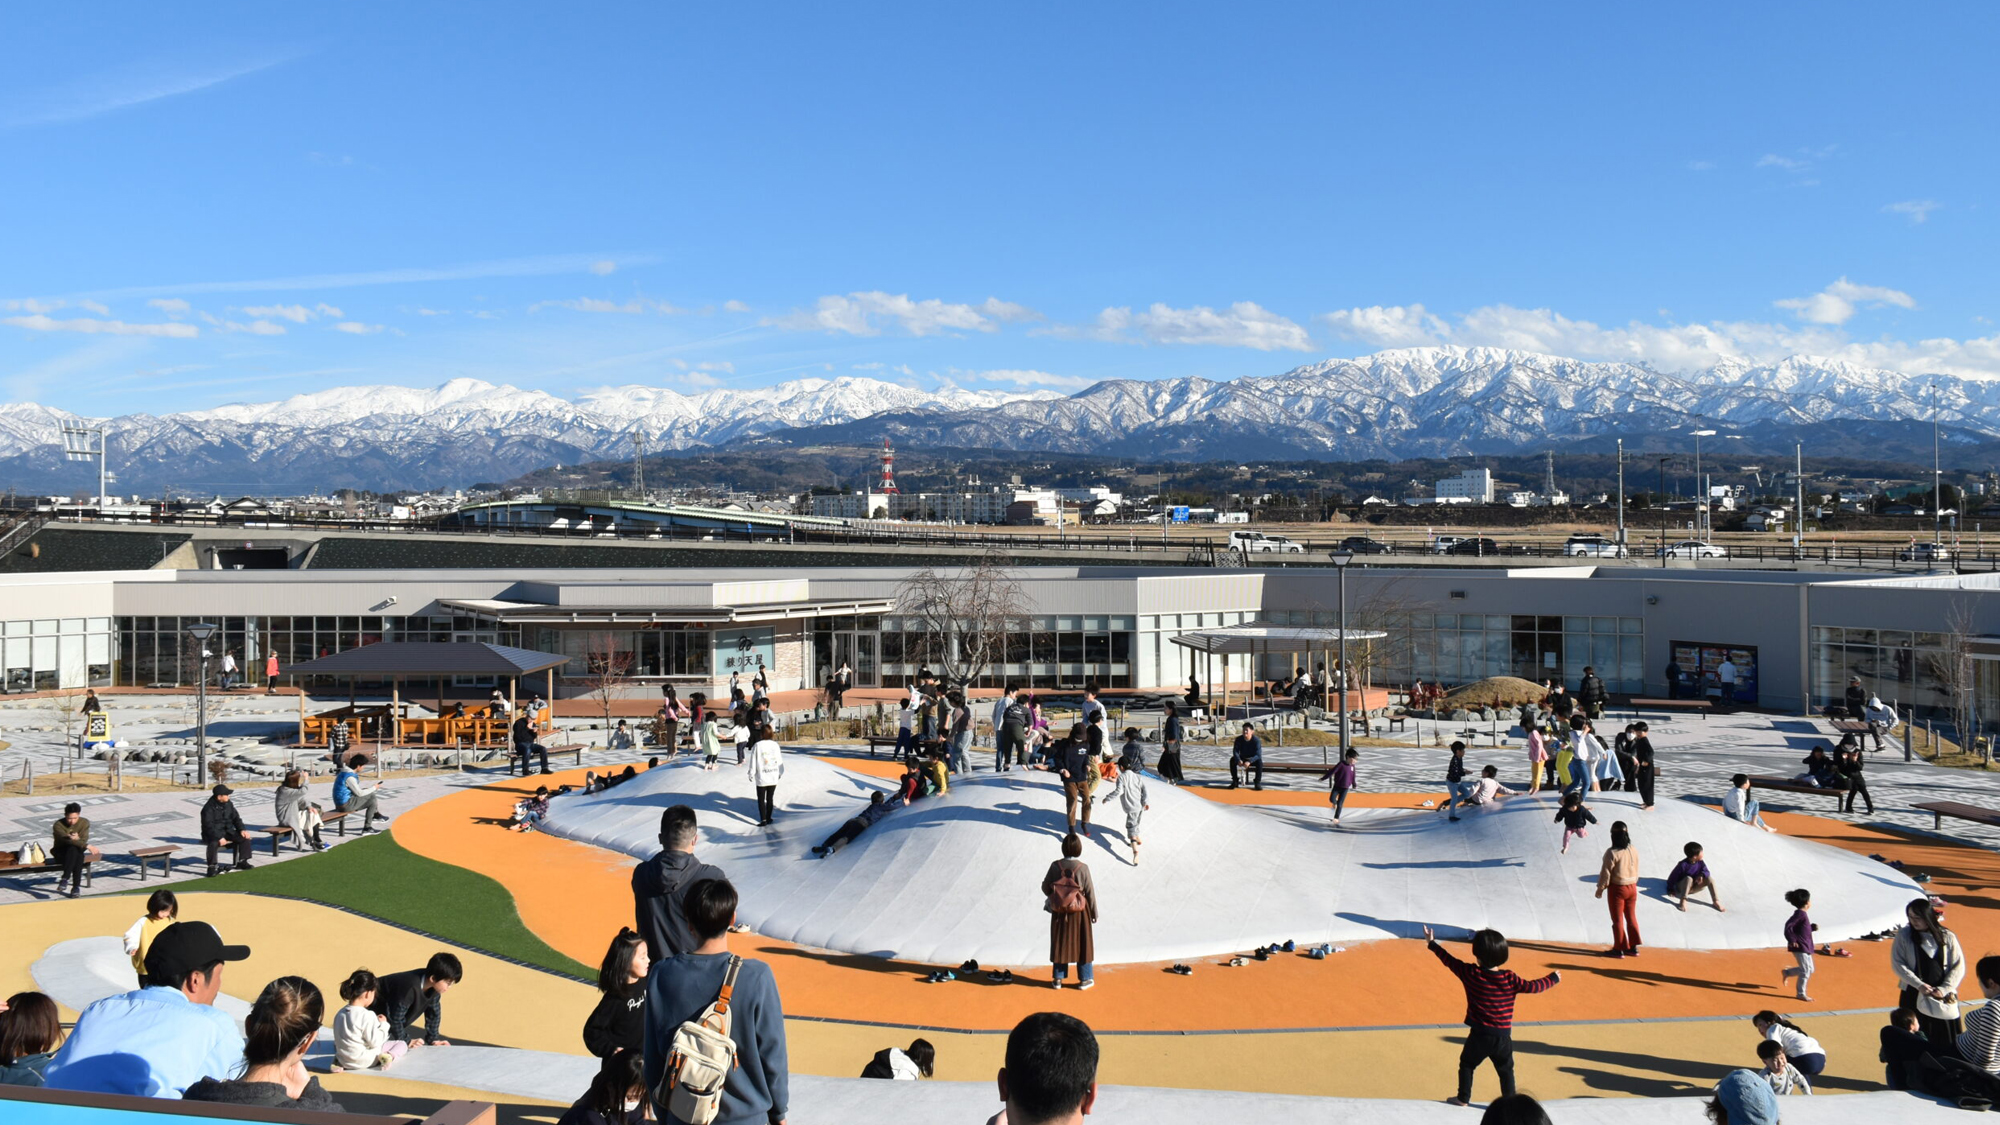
375, 875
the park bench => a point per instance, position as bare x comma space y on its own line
1787, 785
573, 749
8, 863
881, 742
279, 832
162, 852
1669, 706
1941, 809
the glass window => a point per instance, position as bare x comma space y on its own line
1125, 623
1447, 620
1632, 625
1425, 620
45, 628
1895, 638
1522, 624
1861, 636
1548, 624
1095, 623
1604, 624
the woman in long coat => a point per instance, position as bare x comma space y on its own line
1070, 921
297, 813
1930, 965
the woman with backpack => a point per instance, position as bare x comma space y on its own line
1071, 900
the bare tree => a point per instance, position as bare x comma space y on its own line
606, 669
1953, 669
962, 616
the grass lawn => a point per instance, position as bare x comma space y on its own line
377, 876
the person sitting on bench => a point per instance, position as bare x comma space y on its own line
222, 826
350, 796
879, 806
525, 744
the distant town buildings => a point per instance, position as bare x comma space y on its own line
1473, 486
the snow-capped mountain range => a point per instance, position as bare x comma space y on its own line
1401, 403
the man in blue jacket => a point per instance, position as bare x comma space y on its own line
1248, 755
679, 989
157, 1041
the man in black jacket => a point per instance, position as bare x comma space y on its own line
1856, 699
1590, 692
222, 826
404, 998
660, 883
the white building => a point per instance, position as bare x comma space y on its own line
1472, 486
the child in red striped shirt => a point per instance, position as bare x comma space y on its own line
1489, 1008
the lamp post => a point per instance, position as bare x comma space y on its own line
1701, 501
1621, 492
1340, 560
1664, 458
201, 632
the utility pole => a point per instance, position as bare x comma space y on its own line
1799, 478
1937, 473
1621, 492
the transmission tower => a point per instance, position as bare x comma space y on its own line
639, 463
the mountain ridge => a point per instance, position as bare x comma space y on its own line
1399, 403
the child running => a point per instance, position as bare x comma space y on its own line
1538, 756
1801, 1051
1342, 777
1691, 875
1575, 817
1799, 940
1131, 794
1489, 1008
361, 1037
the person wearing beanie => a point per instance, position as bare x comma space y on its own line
1743, 1097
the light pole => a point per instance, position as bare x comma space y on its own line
1937, 474
1664, 458
201, 632
1621, 492
1340, 560
1701, 501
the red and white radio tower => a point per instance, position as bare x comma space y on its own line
888, 468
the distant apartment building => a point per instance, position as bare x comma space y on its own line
1473, 486
993, 505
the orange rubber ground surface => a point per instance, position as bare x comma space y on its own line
575, 897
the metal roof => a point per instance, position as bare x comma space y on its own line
539, 613
429, 658
1253, 639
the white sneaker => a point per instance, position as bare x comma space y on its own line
1086, 986
1055, 983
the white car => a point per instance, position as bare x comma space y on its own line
1692, 549
1593, 546
1925, 552
1253, 542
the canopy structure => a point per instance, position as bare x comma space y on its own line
429, 658
396, 661
1234, 640
1260, 640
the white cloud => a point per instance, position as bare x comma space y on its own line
603, 267
1022, 378
1390, 326
1917, 209
1789, 164
297, 314
1679, 347
1837, 303
507, 267
635, 306
356, 328
38, 322
93, 306
113, 90
433, 312
856, 314
172, 306
1244, 324
735, 307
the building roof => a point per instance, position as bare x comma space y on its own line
429, 658
543, 613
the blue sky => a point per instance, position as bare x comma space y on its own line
215, 203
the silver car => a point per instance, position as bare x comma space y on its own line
1692, 549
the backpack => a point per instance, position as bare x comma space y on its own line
700, 1059
1066, 894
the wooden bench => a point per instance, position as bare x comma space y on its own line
1787, 785
1704, 706
1941, 809
278, 832
337, 818
91, 856
162, 852
573, 749
881, 742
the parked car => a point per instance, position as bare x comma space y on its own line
1362, 545
1255, 542
1926, 552
1474, 546
1692, 549
1443, 544
1594, 547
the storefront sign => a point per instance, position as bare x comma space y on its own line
744, 650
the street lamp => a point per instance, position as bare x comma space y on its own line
201, 632
1340, 560
1701, 501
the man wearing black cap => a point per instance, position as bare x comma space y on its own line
660, 883
159, 1040
222, 826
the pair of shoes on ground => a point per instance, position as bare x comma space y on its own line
1180, 970
940, 976
1000, 976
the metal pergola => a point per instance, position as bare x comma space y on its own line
1262, 640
